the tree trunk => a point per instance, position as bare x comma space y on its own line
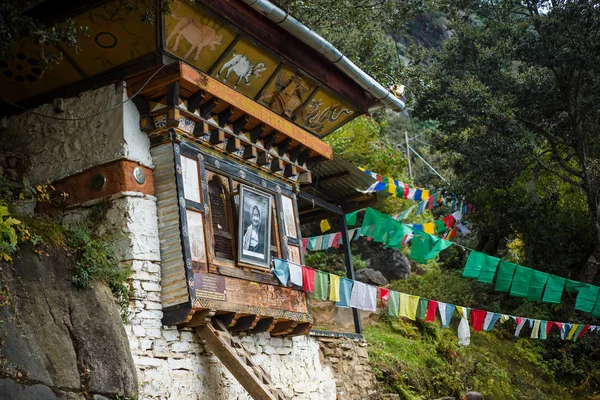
592, 266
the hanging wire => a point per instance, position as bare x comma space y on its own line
89, 116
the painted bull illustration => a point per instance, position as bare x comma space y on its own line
199, 36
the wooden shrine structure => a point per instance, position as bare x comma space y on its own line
235, 97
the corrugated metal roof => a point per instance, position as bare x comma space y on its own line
337, 180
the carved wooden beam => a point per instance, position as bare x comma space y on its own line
195, 100
305, 177
143, 107
217, 137
295, 153
173, 94
250, 153
263, 159
233, 144
201, 129
208, 107
282, 147
224, 116
269, 141
239, 124
303, 157
276, 165
290, 171
263, 325
256, 132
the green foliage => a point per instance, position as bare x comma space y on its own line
97, 260
513, 107
9, 237
332, 261
362, 143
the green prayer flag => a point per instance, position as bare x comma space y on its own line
573, 286
321, 285
586, 299
473, 264
379, 226
536, 285
440, 226
504, 277
596, 310
489, 265
578, 331
396, 241
543, 326
554, 289
393, 303
422, 244
351, 218
422, 308
520, 284
439, 245
312, 243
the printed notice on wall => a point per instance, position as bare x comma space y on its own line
210, 286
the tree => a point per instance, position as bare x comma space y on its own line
516, 90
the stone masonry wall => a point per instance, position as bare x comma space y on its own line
349, 360
171, 363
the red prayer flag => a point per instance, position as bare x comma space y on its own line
549, 327
384, 295
430, 203
308, 279
449, 221
477, 318
405, 191
336, 240
584, 330
431, 309
304, 244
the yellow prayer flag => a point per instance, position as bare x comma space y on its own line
325, 225
408, 306
425, 195
572, 331
334, 287
429, 228
392, 186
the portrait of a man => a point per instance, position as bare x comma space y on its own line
255, 227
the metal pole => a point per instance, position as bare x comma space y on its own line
350, 269
408, 154
426, 163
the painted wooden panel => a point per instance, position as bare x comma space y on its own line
294, 254
289, 217
117, 35
324, 112
194, 36
191, 181
195, 222
246, 68
286, 93
23, 76
174, 284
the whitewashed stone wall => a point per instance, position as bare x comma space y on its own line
171, 363
49, 143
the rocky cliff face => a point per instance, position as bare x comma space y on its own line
58, 342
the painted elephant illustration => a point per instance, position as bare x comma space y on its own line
199, 36
243, 68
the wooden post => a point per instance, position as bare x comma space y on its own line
349, 269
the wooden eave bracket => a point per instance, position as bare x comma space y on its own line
197, 87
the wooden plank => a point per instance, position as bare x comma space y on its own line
291, 49
234, 363
283, 328
194, 80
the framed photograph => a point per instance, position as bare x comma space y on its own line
254, 233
